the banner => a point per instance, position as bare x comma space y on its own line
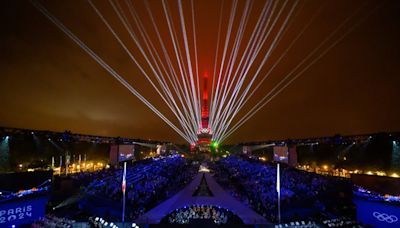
281, 154
126, 152
22, 212
377, 214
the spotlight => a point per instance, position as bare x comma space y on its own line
215, 145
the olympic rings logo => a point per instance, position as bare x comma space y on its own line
383, 217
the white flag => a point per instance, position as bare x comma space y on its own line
278, 179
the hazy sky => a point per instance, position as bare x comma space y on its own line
47, 82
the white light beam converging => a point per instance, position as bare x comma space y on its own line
101, 62
264, 102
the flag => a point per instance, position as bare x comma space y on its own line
278, 189
278, 179
123, 193
124, 179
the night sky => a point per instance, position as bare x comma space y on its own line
47, 82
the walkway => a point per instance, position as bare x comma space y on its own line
185, 198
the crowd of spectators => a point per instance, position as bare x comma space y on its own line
337, 222
97, 222
187, 215
374, 196
341, 222
303, 195
147, 183
33, 192
51, 221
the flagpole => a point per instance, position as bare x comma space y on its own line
278, 189
60, 164
123, 193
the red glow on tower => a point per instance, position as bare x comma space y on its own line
204, 132
204, 107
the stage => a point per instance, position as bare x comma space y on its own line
185, 198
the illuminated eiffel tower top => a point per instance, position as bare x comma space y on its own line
204, 133
204, 107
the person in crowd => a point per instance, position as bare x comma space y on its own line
147, 183
217, 215
303, 194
